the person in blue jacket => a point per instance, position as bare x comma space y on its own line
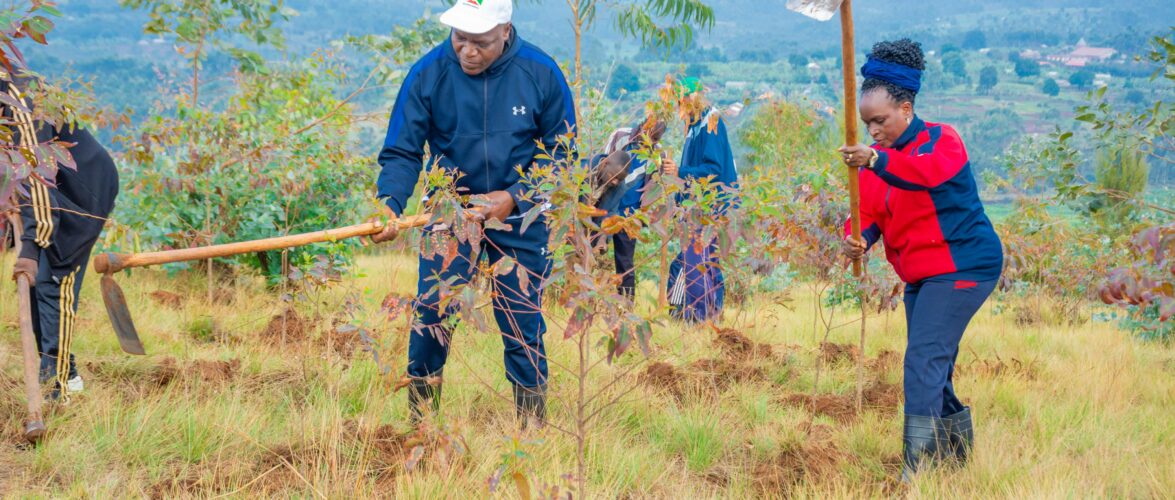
486, 103
627, 199
696, 284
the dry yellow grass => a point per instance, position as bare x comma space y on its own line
218, 408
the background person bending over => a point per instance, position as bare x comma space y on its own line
628, 199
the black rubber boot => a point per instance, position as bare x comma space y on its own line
962, 434
420, 393
531, 403
924, 442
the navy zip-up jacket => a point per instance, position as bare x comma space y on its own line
486, 126
708, 154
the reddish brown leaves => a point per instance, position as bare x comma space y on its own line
451, 251
587, 211
1148, 283
615, 224
396, 305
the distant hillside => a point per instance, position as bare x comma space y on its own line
99, 40
98, 29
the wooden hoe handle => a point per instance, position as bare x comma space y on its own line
113, 262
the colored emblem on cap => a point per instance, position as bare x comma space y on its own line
474, 3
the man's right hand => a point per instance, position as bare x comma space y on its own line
390, 231
25, 267
854, 248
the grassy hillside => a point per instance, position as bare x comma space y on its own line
228, 402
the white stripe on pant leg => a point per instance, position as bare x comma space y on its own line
677, 294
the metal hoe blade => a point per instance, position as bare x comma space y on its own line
820, 10
120, 317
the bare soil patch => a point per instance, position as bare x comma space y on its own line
287, 327
167, 299
815, 460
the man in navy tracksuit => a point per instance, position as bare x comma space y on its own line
61, 222
484, 101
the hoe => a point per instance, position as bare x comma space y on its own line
110, 263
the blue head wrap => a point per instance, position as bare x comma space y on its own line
903, 76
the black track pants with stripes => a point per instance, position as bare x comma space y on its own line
55, 305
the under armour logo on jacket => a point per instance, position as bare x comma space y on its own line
519, 110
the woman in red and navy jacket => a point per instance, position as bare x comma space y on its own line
918, 196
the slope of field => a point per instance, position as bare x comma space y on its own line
231, 402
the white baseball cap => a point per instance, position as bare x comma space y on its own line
478, 16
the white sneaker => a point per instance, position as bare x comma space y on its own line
75, 385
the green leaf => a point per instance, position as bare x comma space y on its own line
496, 225
49, 9
644, 336
41, 24
531, 216
187, 30
249, 61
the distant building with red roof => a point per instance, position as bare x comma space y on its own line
1083, 54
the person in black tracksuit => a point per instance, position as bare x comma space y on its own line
61, 223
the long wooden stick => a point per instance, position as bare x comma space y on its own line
35, 424
112, 263
849, 68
